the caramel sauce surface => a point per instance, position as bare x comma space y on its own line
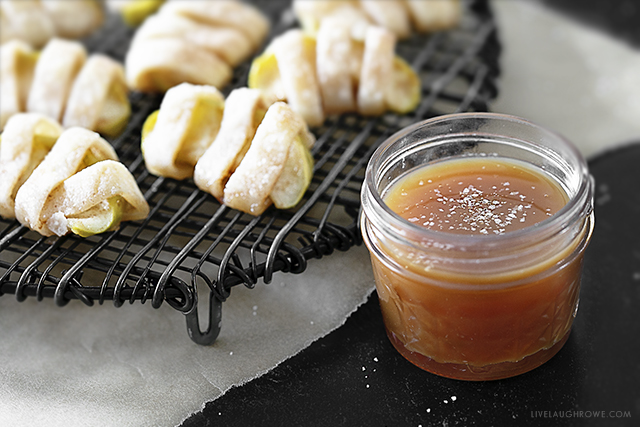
475, 196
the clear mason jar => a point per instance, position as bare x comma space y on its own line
478, 307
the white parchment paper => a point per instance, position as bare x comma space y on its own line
136, 366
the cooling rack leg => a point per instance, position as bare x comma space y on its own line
209, 336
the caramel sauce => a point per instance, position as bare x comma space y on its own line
474, 331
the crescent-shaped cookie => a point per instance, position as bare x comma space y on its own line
98, 100
26, 140
74, 150
58, 65
187, 123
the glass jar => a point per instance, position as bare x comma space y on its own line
473, 306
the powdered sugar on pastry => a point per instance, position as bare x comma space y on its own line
244, 110
249, 187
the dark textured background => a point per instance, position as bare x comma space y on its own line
354, 377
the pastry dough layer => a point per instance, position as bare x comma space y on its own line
74, 19
25, 20
230, 44
188, 122
26, 140
56, 70
90, 187
244, 110
296, 56
335, 52
377, 71
249, 187
75, 149
17, 62
159, 64
98, 98
225, 13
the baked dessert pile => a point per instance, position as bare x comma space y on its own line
193, 41
64, 83
57, 181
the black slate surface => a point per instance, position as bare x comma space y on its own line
354, 377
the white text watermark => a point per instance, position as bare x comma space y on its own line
580, 414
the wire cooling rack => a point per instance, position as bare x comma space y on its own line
190, 245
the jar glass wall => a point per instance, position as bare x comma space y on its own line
472, 306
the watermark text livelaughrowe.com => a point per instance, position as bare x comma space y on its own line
580, 414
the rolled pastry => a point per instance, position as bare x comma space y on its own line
74, 19
243, 112
377, 71
230, 44
296, 57
345, 66
94, 200
224, 13
98, 100
74, 150
55, 72
390, 14
26, 140
434, 15
156, 65
249, 188
187, 123
335, 52
25, 20
17, 62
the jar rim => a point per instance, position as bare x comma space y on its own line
578, 203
